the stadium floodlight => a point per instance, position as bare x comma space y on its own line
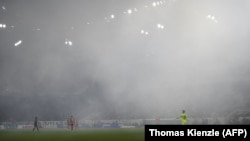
2, 25
70, 43
142, 31
112, 16
154, 4
18, 43
160, 26
129, 11
209, 16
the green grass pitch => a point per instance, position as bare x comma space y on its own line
120, 134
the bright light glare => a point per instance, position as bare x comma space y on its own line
154, 4
112, 16
210, 17
70, 43
129, 11
3, 7
2, 25
142, 31
18, 43
160, 26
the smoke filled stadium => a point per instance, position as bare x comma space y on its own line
103, 69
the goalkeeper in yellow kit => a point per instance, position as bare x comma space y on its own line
183, 117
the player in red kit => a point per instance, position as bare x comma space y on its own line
72, 122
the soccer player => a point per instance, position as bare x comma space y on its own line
36, 124
183, 117
72, 122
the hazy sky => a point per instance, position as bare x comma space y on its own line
133, 58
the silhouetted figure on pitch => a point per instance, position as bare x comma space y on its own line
72, 123
183, 117
36, 125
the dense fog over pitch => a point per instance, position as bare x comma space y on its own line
123, 59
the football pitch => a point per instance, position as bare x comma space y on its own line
106, 134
